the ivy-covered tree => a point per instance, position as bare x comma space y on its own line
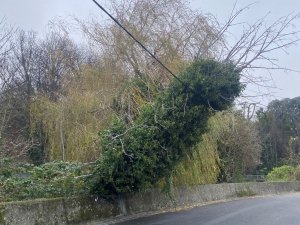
137, 155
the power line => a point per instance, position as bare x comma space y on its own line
150, 53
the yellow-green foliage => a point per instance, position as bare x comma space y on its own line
230, 144
203, 166
282, 173
71, 124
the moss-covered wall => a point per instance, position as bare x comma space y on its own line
79, 210
58, 211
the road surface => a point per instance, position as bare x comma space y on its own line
271, 210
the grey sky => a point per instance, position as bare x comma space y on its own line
35, 14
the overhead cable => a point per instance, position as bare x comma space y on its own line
137, 41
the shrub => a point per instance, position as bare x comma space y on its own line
282, 173
55, 179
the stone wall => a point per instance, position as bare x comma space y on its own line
187, 197
59, 211
79, 210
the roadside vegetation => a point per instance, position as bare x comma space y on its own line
102, 117
284, 173
21, 181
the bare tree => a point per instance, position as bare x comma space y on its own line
24, 61
177, 35
6, 33
32, 67
58, 57
170, 29
254, 49
239, 146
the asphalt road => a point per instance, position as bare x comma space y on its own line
272, 210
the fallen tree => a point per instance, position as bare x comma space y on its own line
137, 155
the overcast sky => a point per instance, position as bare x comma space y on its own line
35, 15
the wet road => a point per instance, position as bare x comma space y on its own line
271, 210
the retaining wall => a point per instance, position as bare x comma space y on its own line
79, 210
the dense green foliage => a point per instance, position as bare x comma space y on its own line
282, 173
55, 179
279, 127
137, 156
